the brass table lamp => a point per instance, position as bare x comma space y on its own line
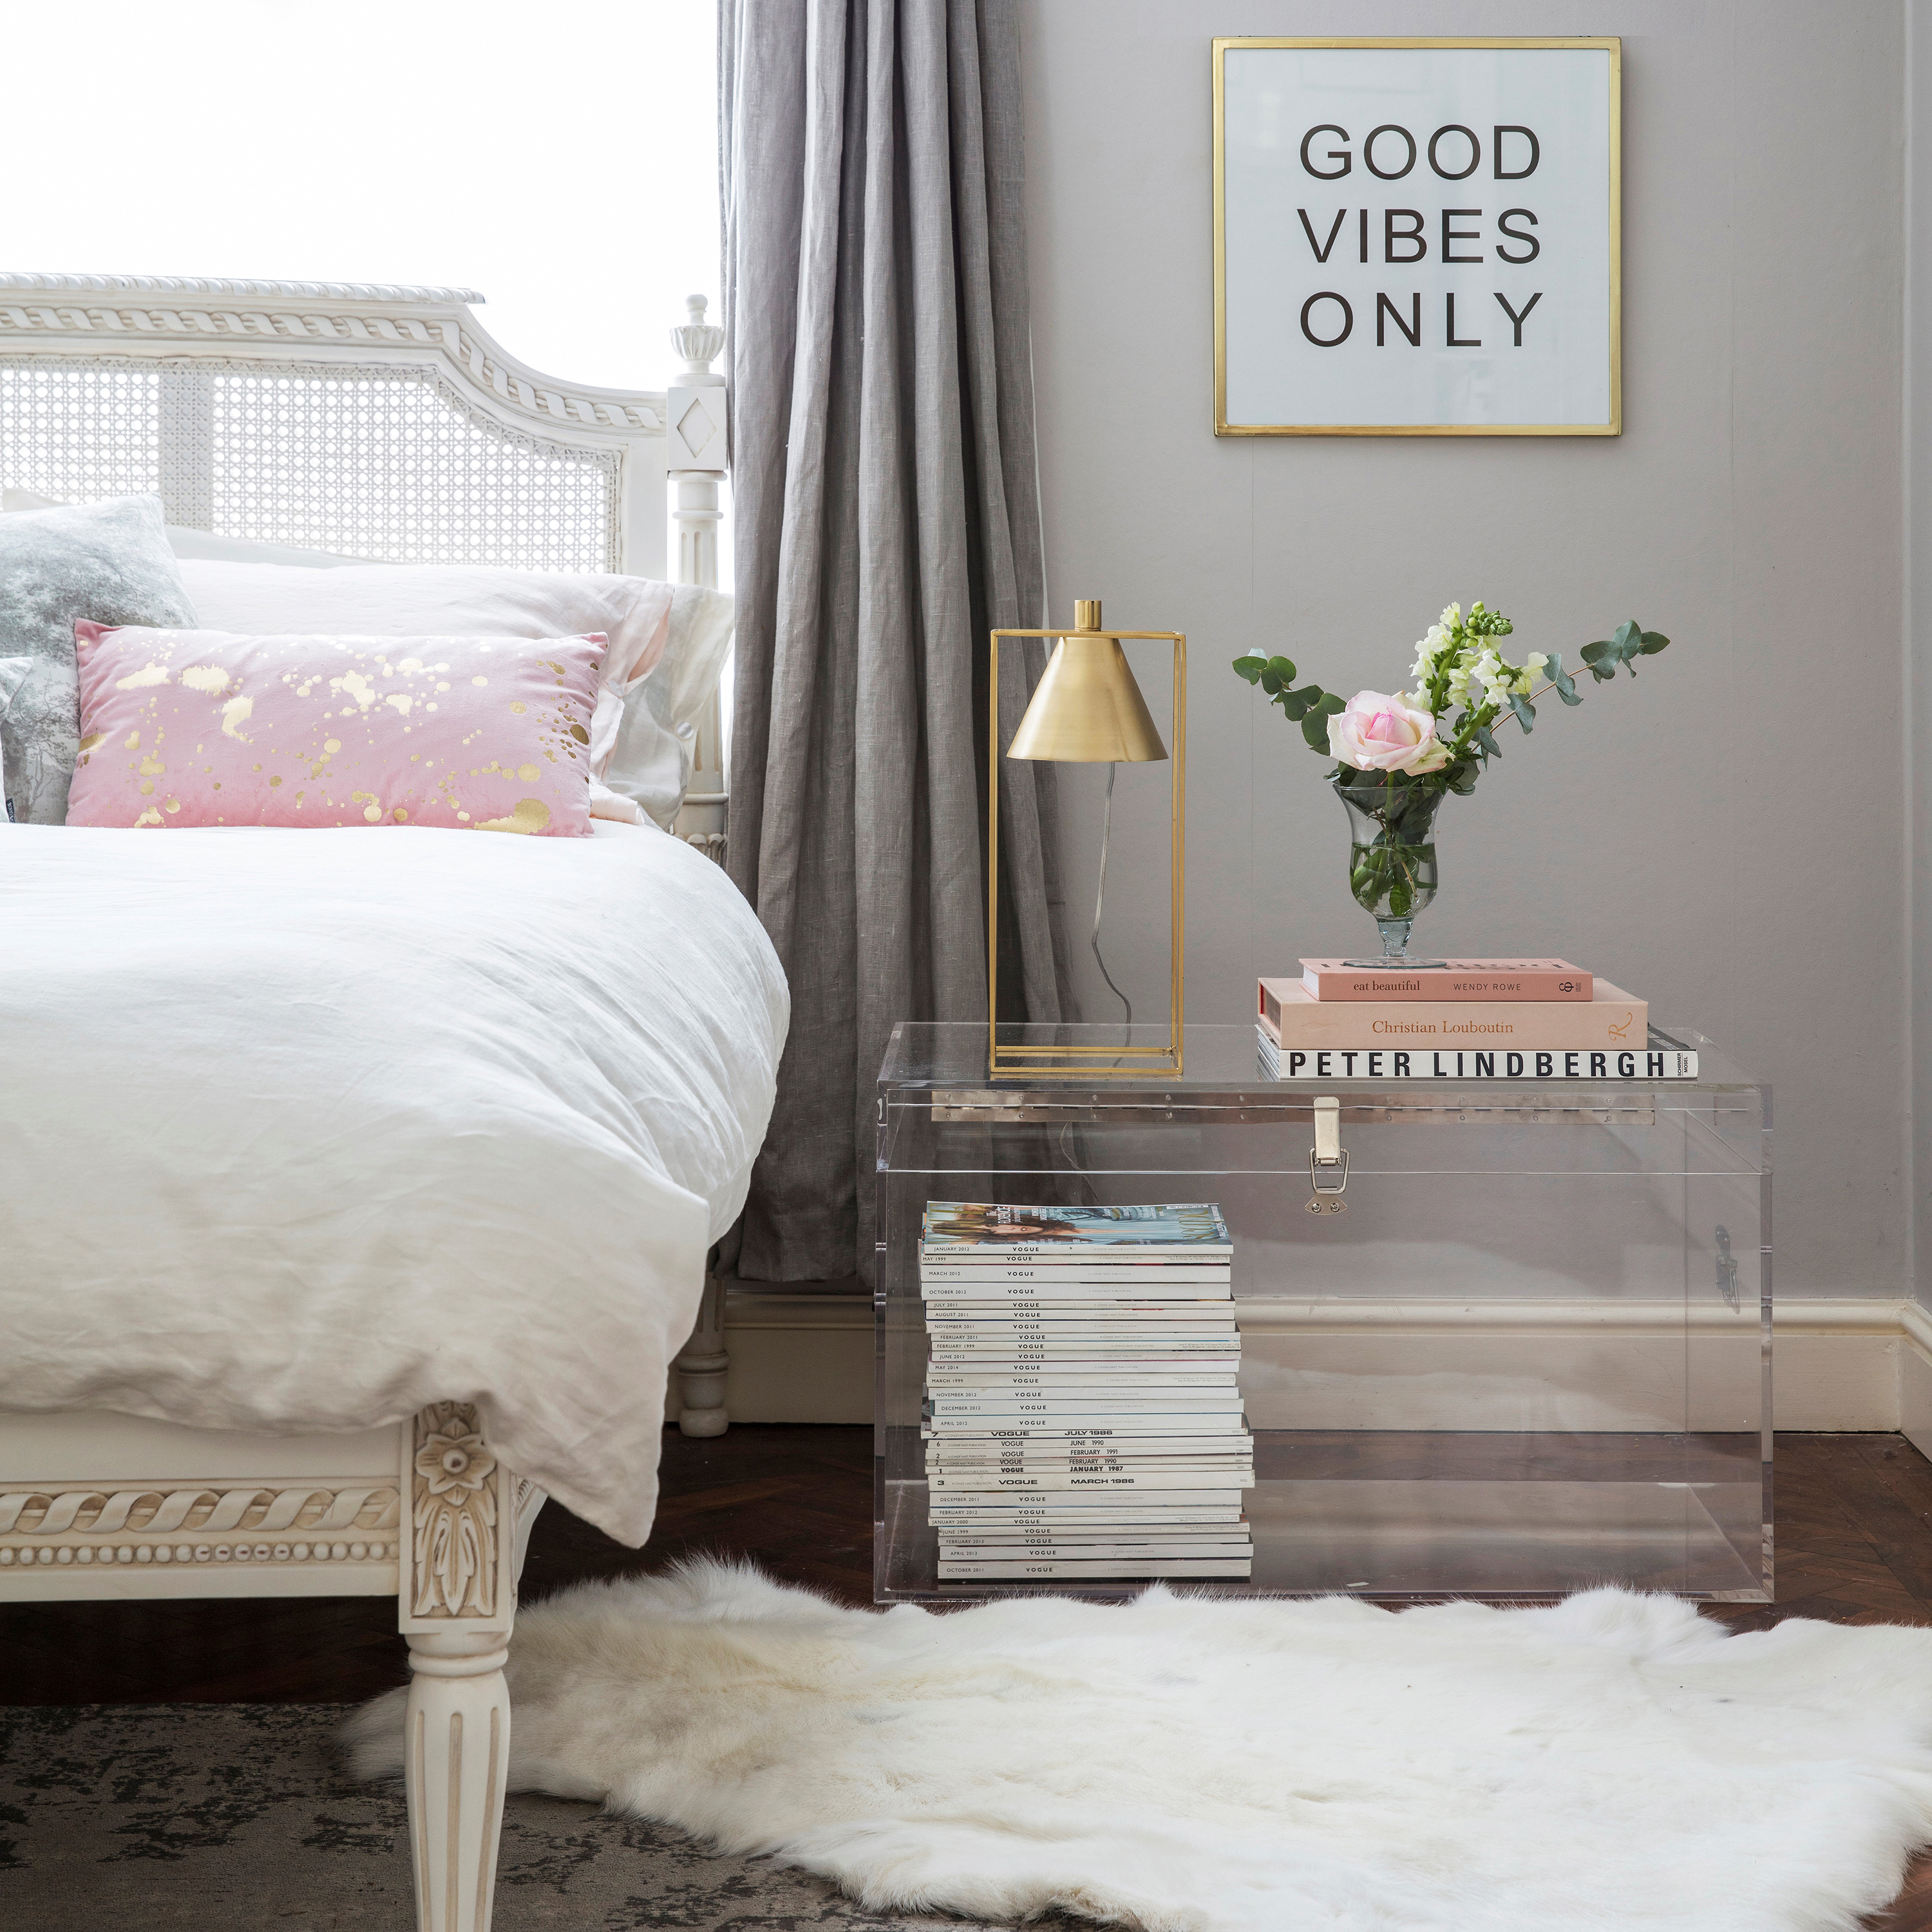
1088, 710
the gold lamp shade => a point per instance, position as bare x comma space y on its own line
1087, 708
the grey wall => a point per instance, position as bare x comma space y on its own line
1726, 835
1917, 706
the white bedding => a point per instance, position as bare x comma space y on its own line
303, 1129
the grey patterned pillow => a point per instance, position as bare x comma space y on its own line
108, 561
12, 674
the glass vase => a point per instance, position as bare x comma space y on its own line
1391, 856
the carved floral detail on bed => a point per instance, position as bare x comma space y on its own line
454, 1515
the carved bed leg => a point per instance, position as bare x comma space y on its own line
701, 1365
458, 1746
461, 1537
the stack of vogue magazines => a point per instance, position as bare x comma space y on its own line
1083, 1411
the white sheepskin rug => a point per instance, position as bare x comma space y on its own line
1183, 1764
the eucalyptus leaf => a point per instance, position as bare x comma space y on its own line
1526, 712
1315, 729
1486, 738
1250, 668
1654, 641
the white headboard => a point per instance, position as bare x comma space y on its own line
370, 420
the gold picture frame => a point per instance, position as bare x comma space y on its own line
1612, 45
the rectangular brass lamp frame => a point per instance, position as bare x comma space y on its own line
1042, 1063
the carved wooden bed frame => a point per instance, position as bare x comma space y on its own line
111, 383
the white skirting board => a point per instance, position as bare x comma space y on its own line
1852, 1364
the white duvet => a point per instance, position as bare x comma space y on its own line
302, 1129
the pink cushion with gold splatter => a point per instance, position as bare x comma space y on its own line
206, 727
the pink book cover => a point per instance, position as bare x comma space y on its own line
1293, 1017
1540, 979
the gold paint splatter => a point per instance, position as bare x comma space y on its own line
353, 684
474, 680
258, 768
150, 817
174, 805
531, 815
463, 815
218, 785
234, 716
401, 700
134, 741
94, 738
151, 765
153, 674
582, 737
299, 797
528, 774
274, 781
399, 816
332, 745
372, 813
210, 678
147, 786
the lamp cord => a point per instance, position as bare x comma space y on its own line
1099, 899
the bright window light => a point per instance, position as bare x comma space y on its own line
560, 159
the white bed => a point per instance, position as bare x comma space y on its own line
357, 1184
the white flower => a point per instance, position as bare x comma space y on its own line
1536, 660
1452, 615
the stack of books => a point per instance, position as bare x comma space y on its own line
1083, 1409
1469, 1019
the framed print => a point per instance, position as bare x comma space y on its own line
1417, 238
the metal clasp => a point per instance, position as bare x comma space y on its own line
1727, 1268
1327, 1156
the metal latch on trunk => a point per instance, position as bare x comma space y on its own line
1327, 1159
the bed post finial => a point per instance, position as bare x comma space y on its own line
700, 343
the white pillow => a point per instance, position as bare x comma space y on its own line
651, 762
185, 542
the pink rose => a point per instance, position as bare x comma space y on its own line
1380, 733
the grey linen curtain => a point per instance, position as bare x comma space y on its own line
885, 518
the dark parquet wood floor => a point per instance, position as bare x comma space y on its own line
1854, 1545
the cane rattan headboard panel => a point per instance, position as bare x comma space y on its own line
375, 421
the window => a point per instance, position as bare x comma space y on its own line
561, 160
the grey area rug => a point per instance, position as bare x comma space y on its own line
237, 1817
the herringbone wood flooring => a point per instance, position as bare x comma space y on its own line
1854, 1545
